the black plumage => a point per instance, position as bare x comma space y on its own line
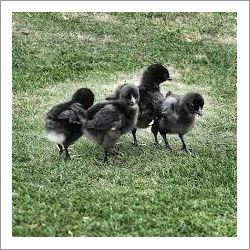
177, 115
62, 122
150, 95
105, 122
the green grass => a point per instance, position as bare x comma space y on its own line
144, 191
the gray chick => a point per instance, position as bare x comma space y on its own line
176, 116
150, 95
105, 122
62, 122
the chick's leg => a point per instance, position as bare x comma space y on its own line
165, 140
108, 143
155, 130
184, 147
134, 136
105, 155
60, 149
67, 156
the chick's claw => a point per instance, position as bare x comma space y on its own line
186, 151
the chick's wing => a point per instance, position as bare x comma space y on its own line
105, 119
72, 114
169, 106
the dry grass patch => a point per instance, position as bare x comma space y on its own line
97, 16
73, 15
228, 40
192, 36
67, 35
103, 17
83, 36
195, 36
225, 39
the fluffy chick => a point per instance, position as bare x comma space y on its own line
177, 115
105, 122
62, 122
150, 96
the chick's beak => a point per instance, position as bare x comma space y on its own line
199, 112
169, 79
132, 101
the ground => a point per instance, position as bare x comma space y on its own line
144, 191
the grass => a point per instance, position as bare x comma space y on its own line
145, 191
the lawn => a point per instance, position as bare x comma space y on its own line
144, 191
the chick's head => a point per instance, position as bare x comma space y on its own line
156, 74
130, 95
194, 103
84, 96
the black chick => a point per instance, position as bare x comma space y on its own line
150, 96
62, 122
105, 122
176, 116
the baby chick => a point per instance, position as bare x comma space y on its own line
105, 122
150, 96
62, 122
177, 115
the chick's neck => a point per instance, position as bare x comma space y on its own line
149, 87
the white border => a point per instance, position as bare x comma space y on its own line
241, 241
125, 6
